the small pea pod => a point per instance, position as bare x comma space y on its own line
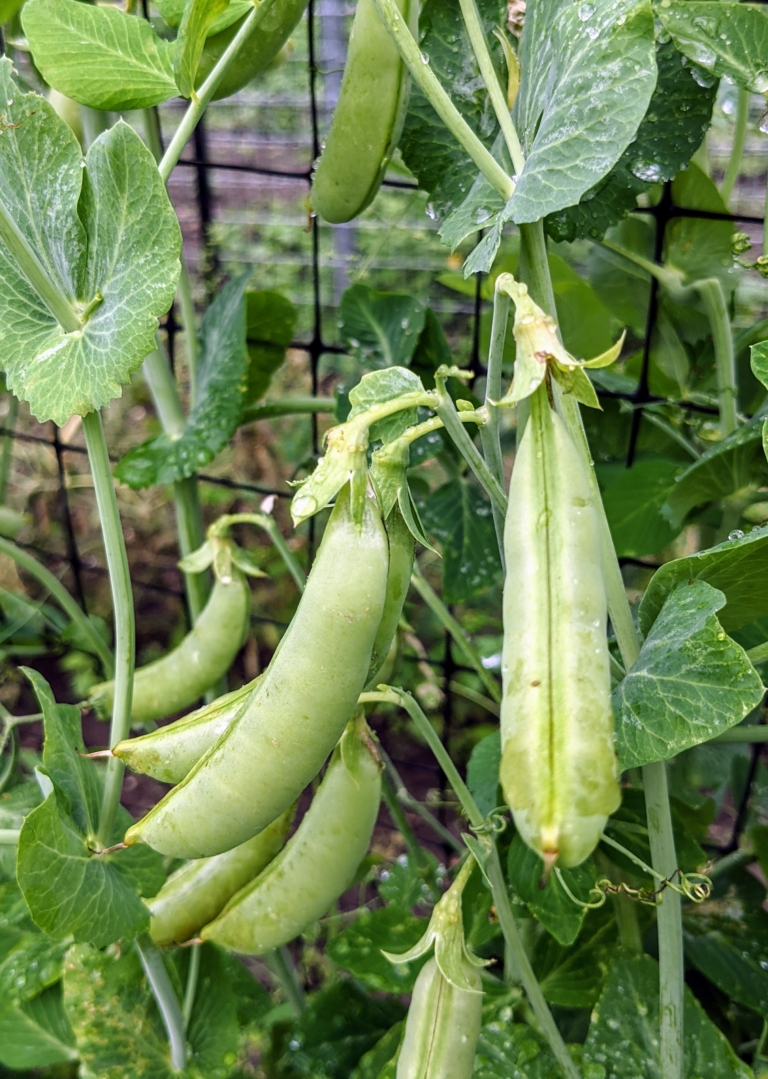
291, 722
401, 554
318, 863
559, 770
368, 117
170, 753
197, 893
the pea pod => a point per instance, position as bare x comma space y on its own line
559, 769
170, 753
442, 1027
401, 555
318, 863
291, 722
198, 892
181, 677
368, 117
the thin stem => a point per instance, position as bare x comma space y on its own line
671, 432
439, 609
490, 432
263, 520
7, 452
734, 860
288, 406
406, 798
737, 146
36, 274
430, 86
476, 698
713, 298
753, 735
54, 586
493, 871
446, 410
165, 998
124, 622
165, 395
200, 101
281, 965
490, 78
190, 989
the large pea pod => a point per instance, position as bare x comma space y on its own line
318, 863
259, 51
401, 554
442, 1027
368, 117
291, 722
559, 769
197, 893
181, 677
170, 753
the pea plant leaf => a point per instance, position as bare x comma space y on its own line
588, 73
634, 501
731, 953
689, 683
380, 328
172, 12
572, 977
623, 1034
512, 1051
105, 233
270, 322
36, 1034
696, 246
359, 948
378, 387
217, 405
552, 905
196, 22
738, 568
213, 1032
483, 773
460, 517
669, 134
725, 39
99, 56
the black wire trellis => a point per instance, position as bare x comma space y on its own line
197, 158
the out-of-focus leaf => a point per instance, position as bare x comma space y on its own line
359, 948
381, 328
551, 904
459, 516
483, 773
634, 499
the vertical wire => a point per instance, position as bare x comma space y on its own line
205, 206
73, 553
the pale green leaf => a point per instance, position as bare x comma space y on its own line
381, 329
508, 1050
377, 388
724, 38
483, 773
633, 500
270, 321
758, 358
196, 23
689, 683
173, 10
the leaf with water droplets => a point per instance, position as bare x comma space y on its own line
460, 517
723, 38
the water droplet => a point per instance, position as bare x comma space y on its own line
586, 11
424, 58
482, 214
650, 171
736, 534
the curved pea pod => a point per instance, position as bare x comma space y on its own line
401, 554
199, 891
292, 721
181, 677
318, 863
170, 753
368, 117
559, 770
260, 50
442, 1027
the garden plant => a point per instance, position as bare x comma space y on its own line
583, 514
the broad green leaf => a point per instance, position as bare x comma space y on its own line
99, 56
173, 10
736, 462
623, 286
380, 328
213, 1032
572, 977
672, 129
483, 773
113, 1014
378, 387
724, 38
512, 1051
359, 948
196, 23
429, 150
218, 403
738, 567
117, 208
30, 965
731, 954
588, 73
689, 683
634, 499
37, 1035
372, 1063
623, 1035
459, 516
550, 903
270, 321
407, 881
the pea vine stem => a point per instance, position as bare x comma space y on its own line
491, 868
737, 147
166, 1000
124, 622
490, 432
446, 410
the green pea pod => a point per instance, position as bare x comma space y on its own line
170, 753
181, 677
442, 1027
197, 893
318, 863
559, 770
401, 555
368, 117
291, 722
259, 51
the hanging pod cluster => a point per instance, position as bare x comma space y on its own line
559, 770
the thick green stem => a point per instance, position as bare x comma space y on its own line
446, 410
490, 432
165, 998
190, 988
430, 86
441, 612
288, 406
490, 78
54, 586
713, 298
758, 654
7, 451
492, 869
750, 735
281, 965
737, 147
124, 623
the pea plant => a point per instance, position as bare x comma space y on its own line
584, 920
